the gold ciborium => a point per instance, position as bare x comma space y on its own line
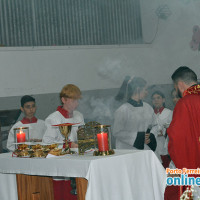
65, 130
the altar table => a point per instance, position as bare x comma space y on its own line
126, 175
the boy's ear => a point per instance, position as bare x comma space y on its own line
22, 109
63, 100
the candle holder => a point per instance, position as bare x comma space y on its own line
103, 140
21, 135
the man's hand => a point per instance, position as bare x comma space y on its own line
160, 133
74, 145
147, 140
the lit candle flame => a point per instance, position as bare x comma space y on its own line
20, 132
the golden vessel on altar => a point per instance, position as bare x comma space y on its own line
86, 136
36, 150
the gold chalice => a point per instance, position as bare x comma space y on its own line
65, 130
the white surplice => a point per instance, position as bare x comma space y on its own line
53, 135
130, 120
162, 121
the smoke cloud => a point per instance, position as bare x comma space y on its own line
115, 69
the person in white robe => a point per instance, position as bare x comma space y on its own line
133, 118
66, 113
36, 126
163, 117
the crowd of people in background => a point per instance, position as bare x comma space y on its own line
137, 124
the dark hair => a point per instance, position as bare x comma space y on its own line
26, 99
130, 86
159, 93
122, 89
184, 74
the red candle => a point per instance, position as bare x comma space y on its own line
21, 137
102, 139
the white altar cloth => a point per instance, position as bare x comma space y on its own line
128, 174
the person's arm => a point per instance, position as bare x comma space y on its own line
10, 141
152, 142
52, 133
156, 128
178, 133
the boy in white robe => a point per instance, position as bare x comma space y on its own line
66, 113
36, 126
163, 117
69, 96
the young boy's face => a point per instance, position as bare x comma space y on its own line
29, 109
70, 104
157, 101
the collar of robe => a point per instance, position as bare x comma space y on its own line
29, 121
135, 103
194, 89
63, 112
158, 110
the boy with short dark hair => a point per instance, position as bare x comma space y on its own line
36, 126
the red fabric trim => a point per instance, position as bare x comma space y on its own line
158, 110
195, 89
172, 193
63, 112
62, 190
29, 121
165, 160
69, 142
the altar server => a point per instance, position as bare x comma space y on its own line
163, 117
36, 126
133, 118
66, 113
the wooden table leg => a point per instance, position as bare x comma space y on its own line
34, 187
81, 186
36, 196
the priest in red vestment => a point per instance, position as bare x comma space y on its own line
184, 130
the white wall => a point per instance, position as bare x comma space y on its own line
46, 70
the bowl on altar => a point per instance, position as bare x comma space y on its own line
22, 146
50, 146
39, 153
46, 151
56, 152
23, 153
36, 146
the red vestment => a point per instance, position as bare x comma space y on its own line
184, 136
184, 130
